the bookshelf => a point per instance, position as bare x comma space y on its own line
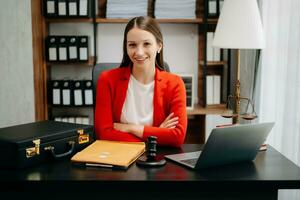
43, 68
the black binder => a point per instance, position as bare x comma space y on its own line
213, 8
62, 49
55, 87
50, 8
84, 8
62, 8
88, 92
78, 96
72, 48
73, 8
188, 83
52, 48
83, 48
34, 143
67, 93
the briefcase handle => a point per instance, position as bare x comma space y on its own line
56, 156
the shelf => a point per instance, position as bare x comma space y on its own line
177, 21
211, 109
212, 21
69, 20
213, 63
90, 62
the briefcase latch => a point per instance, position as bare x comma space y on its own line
83, 137
33, 151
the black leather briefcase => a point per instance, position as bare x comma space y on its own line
30, 144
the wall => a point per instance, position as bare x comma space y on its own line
16, 66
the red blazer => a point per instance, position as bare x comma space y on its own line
169, 96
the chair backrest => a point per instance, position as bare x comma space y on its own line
97, 70
100, 67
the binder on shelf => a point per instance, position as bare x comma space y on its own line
217, 89
209, 47
188, 82
66, 93
213, 89
83, 48
52, 48
78, 97
62, 49
85, 120
213, 8
212, 53
50, 8
71, 119
56, 92
62, 8
64, 119
209, 89
72, 48
58, 119
84, 8
216, 54
73, 8
78, 120
88, 92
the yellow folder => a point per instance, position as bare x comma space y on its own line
115, 154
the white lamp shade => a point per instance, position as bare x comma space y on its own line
239, 26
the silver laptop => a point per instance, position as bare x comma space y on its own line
227, 145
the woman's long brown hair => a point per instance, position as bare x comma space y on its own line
148, 24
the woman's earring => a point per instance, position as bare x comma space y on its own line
158, 51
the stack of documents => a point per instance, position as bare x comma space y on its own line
178, 9
126, 8
212, 53
112, 154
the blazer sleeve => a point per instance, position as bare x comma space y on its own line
104, 113
172, 137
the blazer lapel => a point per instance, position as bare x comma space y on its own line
159, 89
121, 91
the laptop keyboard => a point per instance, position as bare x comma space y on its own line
192, 161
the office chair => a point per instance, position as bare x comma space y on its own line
97, 70
100, 67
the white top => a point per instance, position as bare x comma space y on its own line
138, 105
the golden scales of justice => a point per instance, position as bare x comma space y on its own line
247, 114
249, 111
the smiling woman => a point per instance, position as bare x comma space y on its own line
140, 99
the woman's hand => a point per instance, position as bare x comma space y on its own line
136, 130
122, 127
169, 122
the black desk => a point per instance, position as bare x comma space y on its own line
260, 179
